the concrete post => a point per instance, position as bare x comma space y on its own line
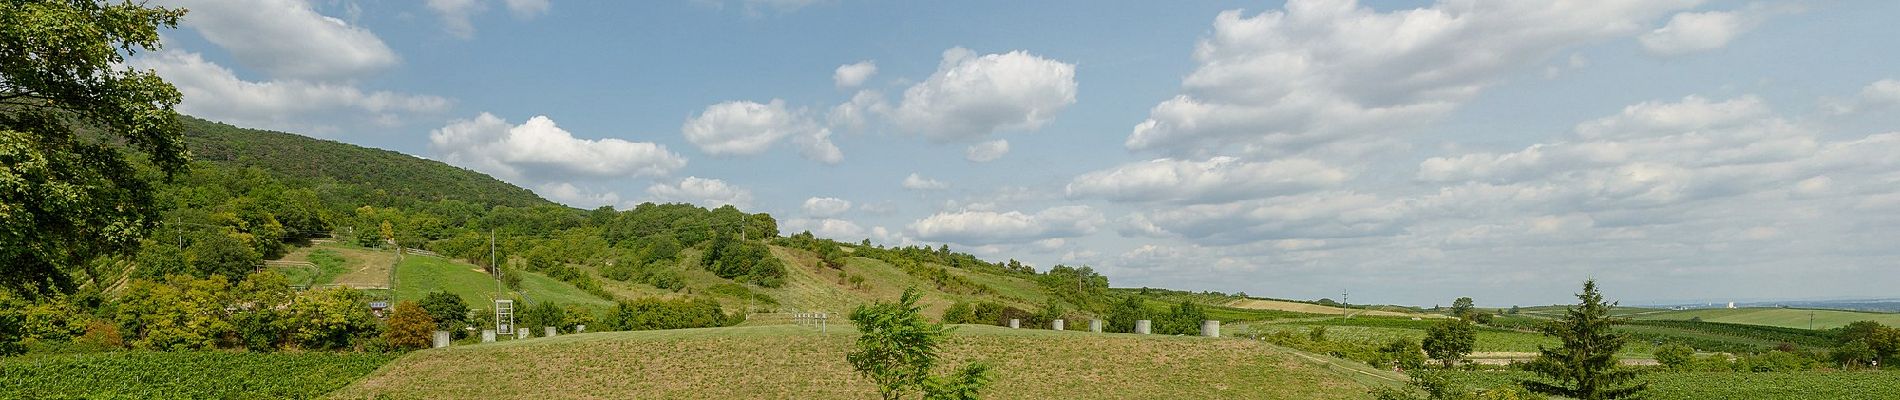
488, 336
1015, 323
521, 333
1210, 328
1141, 326
580, 328
1056, 325
441, 339
1095, 325
551, 331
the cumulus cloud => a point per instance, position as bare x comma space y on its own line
1218, 179
529, 8
972, 96
853, 75
1881, 94
992, 227
855, 115
919, 182
213, 91
747, 128
987, 151
826, 206
455, 15
1317, 215
1321, 71
1694, 32
828, 228
287, 38
704, 192
576, 196
539, 149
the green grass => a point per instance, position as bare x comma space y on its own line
419, 275
207, 374
1782, 317
329, 264
1806, 385
791, 362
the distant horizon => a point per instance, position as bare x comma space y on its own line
1415, 151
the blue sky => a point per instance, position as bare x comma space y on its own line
1408, 152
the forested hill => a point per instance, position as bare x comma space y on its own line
308, 162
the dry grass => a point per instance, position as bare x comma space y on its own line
1258, 304
793, 362
367, 268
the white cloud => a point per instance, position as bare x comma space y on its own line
1317, 215
1881, 94
854, 115
987, 151
919, 182
529, 8
992, 227
1694, 32
569, 194
701, 191
1219, 179
538, 149
287, 38
214, 92
973, 96
1321, 71
853, 75
828, 228
826, 206
746, 128
455, 15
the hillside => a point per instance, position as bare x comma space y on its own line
794, 362
305, 161
1781, 317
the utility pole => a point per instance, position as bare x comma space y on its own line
492, 266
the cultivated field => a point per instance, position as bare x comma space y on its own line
1262, 304
1806, 385
182, 375
795, 362
1782, 317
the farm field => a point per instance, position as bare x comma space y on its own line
803, 363
341, 264
1782, 317
1264, 304
1806, 385
204, 374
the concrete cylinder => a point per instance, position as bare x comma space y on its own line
1015, 323
1056, 324
1210, 328
580, 328
521, 333
551, 331
441, 339
1141, 326
1095, 325
488, 336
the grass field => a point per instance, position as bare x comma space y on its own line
342, 264
181, 375
419, 275
1782, 317
1809, 385
1263, 304
793, 362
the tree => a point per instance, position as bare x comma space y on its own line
1404, 353
1462, 308
1449, 341
959, 313
1122, 316
898, 347
70, 196
1585, 366
1675, 355
446, 309
220, 254
410, 326
330, 318
1184, 319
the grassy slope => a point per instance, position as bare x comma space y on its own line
1261, 304
419, 275
1782, 317
149, 375
791, 362
361, 267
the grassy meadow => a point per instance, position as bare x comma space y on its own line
1782, 317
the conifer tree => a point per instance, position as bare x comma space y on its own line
1585, 367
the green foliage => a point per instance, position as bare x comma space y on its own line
1675, 355
183, 375
446, 309
1463, 308
410, 327
1082, 287
897, 348
1449, 341
743, 261
181, 313
1438, 386
541, 314
1404, 353
960, 312
656, 313
740, 292
67, 197
329, 319
1585, 366
1122, 316
1183, 319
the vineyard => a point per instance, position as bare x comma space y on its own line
177, 375
1805, 385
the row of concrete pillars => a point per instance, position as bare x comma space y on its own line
1209, 328
488, 335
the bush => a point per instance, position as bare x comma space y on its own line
542, 314
410, 327
330, 318
258, 330
655, 313
183, 313
960, 313
447, 310
1675, 355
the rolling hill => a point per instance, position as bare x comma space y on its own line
1781, 317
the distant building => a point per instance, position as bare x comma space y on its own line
1731, 304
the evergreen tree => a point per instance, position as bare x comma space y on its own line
1585, 366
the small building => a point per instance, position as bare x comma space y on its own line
378, 308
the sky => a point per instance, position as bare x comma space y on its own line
1395, 152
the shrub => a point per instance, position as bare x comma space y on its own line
656, 313
447, 310
1675, 355
959, 313
897, 349
410, 327
329, 318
